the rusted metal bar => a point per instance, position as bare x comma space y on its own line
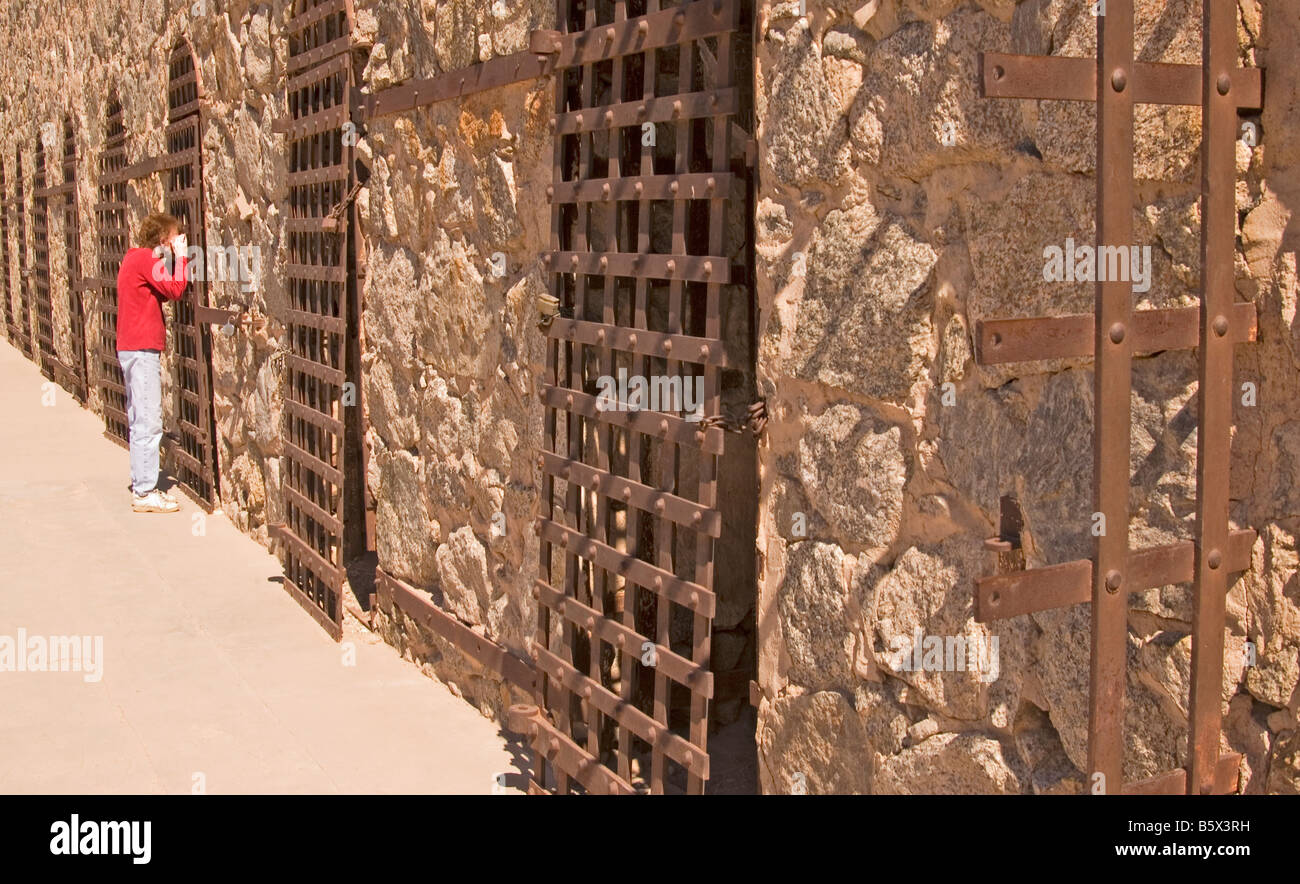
678, 266
495, 73
674, 26
1111, 392
143, 169
999, 341
1227, 771
691, 105
1061, 78
688, 348
1214, 394
481, 649
698, 186
1001, 596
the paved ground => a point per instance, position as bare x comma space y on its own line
211, 674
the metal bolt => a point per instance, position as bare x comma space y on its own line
1214, 559
1114, 580
1119, 80
1220, 325
1224, 84
1117, 333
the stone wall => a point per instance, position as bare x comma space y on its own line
897, 207
452, 351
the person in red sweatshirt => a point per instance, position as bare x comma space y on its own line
144, 282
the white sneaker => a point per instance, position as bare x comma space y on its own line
154, 502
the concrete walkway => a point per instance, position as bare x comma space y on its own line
211, 675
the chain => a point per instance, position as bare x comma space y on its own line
336, 213
755, 423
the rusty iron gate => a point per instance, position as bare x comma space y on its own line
76, 374
41, 261
22, 328
1117, 83
11, 329
71, 376
645, 101
110, 214
191, 448
321, 465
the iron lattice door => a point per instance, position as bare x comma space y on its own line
318, 461
645, 100
41, 263
192, 448
22, 330
72, 249
11, 328
110, 213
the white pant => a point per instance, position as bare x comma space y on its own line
142, 370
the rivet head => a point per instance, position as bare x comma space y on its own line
1117, 333
1114, 580
1214, 559
1224, 84
1119, 80
1220, 325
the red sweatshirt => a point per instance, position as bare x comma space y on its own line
140, 295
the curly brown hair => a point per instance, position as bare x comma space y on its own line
156, 229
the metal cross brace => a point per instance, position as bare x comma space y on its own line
1117, 82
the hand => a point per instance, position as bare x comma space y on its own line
180, 247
